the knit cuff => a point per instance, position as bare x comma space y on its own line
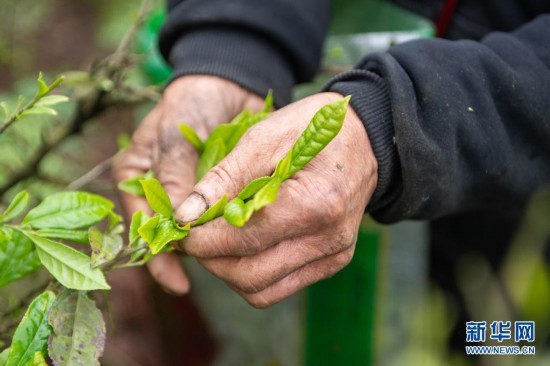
371, 101
245, 58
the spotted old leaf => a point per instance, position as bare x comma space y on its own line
78, 336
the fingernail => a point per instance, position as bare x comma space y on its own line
191, 208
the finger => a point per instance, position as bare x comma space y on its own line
137, 160
299, 279
167, 271
256, 273
286, 218
245, 163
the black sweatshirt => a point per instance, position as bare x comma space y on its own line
455, 126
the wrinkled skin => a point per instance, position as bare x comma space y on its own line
308, 234
202, 102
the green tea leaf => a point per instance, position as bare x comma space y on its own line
37, 110
253, 187
104, 247
268, 104
283, 167
78, 336
51, 100
191, 136
266, 195
75, 236
115, 226
132, 186
157, 197
56, 83
18, 257
38, 360
148, 229
69, 266
213, 153
42, 86
69, 210
214, 211
324, 126
32, 333
239, 118
222, 132
237, 213
166, 232
4, 356
138, 219
17, 206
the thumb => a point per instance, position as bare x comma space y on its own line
250, 159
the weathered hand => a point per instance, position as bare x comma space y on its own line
202, 102
310, 232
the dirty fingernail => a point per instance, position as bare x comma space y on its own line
191, 208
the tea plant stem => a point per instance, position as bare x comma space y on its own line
91, 175
15, 116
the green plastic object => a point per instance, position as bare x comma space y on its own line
340, 314
153, 65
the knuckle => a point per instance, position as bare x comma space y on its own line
343, 259
219, 178
258, 301
333, 206
248, 284
346, 239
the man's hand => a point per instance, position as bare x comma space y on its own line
202, 102
310, 232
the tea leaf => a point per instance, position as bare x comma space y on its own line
266, 195
138, 219
43, 88
157, 197
38, 360
132, 186
283, 166
75, 236
213, 153
148, 229
214, 211
18, 256
253, 187
16, 207
268, 103
4, 356
51, 100
69, 210
32, 333
324, 126
37, 110
237, 213
165, 232
78, 336
104, 247
191, 136
69, 266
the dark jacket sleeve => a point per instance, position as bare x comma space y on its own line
259, 44
456, 126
